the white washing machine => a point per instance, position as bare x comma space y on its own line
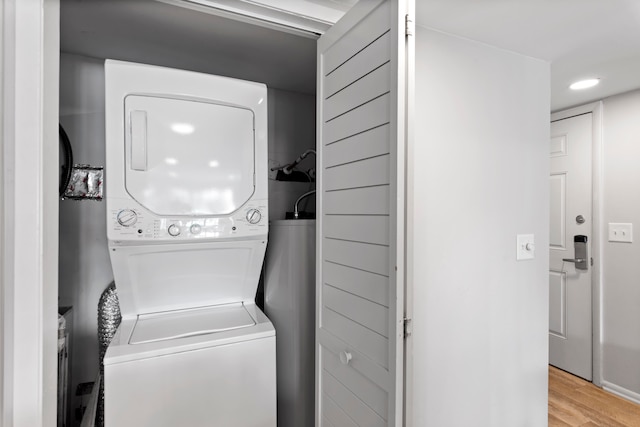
186, 195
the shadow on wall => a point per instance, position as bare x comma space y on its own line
84, 266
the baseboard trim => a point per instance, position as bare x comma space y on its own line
621, 391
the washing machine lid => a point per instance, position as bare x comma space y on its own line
186, 323
188, 157
169, 277
121, 350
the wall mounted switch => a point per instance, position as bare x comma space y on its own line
621, 232
526, 248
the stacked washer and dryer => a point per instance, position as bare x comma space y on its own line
186, 193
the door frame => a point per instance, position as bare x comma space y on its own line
30, 54
597, 232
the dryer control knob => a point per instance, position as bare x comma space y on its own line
254, 216
195, 229
173, 230
127, 217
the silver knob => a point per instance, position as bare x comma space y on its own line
127, 217
254, 216
173, 230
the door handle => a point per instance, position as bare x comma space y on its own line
581, 257
139, 140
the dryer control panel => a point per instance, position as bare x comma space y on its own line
129, 223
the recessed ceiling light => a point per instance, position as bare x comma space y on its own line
584, 84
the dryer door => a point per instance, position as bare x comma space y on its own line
188, 157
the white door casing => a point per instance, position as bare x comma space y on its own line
361, 214
29, 217
570, 288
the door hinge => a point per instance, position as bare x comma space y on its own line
407, 327
409, 25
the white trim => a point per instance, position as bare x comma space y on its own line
621, 391
263, 16
29, 258
319, 208
8, 92
50, 199
410, 74
398, 197
2, 216
596, 109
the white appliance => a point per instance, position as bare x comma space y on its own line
186, 195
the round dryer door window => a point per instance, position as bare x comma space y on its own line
188, 157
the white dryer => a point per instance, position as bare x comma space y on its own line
186, 195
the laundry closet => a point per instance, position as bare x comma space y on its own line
183, 38
431, 159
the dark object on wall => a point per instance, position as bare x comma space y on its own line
301, 215
109, 318
66, 158
289, 172
295, 176
79, 182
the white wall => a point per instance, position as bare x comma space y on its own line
480, 177
620, 266
85, 268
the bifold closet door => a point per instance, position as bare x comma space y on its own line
360, 272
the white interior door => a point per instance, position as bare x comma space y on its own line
360, 283
570, 328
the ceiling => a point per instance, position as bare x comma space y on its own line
158, 33
580, 38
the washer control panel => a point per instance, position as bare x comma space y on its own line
134, 224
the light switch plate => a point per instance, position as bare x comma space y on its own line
526, 248
621, 232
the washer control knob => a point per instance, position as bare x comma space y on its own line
174, 230
254, 216
195, 229
127, 217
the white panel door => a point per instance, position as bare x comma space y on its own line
570, 309
360, 272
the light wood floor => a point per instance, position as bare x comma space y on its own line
578, 403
